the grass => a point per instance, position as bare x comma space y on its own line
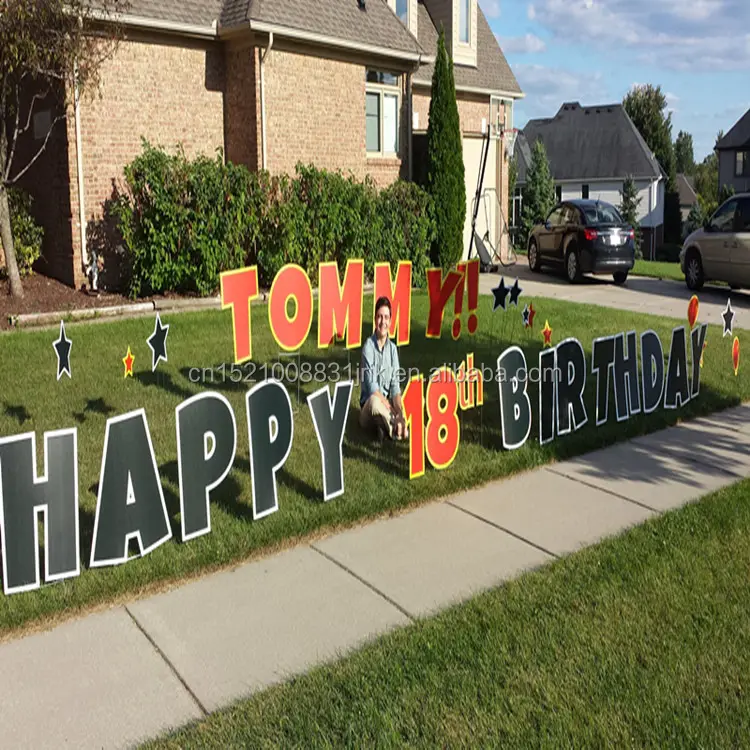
377, 481
640, 641
658, 270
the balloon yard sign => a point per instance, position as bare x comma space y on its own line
130, 500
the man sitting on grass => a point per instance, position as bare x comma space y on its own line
380, 402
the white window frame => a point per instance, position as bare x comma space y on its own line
384, 90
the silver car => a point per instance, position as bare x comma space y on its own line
720, 251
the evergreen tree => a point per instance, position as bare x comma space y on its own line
684, 154
539, 192
445, 171
629, 210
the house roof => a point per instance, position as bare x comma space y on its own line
375, 24
492, 72
686, 190
589, 143
738, 136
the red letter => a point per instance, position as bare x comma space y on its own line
290, 283
340, 308
238, 289
400, 296
440, 292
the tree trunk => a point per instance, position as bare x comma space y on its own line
6, 236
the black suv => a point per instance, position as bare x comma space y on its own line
583, 236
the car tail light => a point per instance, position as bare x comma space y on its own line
631, 234
590, 234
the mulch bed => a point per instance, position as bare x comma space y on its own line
42, 294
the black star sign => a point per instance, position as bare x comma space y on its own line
526, 316
515, 293
62, 348
728, 316
500, 292
157, 342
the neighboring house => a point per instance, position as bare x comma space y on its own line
734, 156
688, 198
342, 84
591, 151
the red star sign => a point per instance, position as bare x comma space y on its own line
547, 333
128, 361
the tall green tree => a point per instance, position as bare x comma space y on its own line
646, 106
707, 180
539, 192
629, 203
47, 53
684, 153
446, 180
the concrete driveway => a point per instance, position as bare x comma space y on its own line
640, 294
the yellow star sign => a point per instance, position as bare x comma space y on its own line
547, 333
128, 361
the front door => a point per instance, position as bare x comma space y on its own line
716, 244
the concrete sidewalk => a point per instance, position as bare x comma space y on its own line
119, 677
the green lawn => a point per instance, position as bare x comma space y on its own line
658, 270
376, 478
641, 641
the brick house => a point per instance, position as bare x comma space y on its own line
343, 84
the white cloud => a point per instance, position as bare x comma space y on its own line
527, 44
491, 8
547, 88
531, 12
686, 35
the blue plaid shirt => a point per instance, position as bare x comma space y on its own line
379, 369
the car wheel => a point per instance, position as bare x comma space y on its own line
694, 277
535, 263
620, 277
573, 266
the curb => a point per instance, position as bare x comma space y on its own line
39, 320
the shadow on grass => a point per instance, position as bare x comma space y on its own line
93, 406
164, 381
18, 412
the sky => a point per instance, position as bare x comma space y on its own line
594, 51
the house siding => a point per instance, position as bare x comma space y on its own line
471, 111
727, 166
242, 106
152, 88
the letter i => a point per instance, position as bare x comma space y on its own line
459, 303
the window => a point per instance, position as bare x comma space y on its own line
723, 219
585, 192
571, 215
402, 10
743, 218
601, 213
463, 21
558, 192
382, 99
742, 165
556, 217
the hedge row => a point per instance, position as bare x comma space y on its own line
184, 222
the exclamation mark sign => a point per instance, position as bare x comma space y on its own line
459, 303
472, 275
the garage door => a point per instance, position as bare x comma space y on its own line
487, 217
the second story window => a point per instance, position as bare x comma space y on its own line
382, 106
402, 10
742, 164
463, 21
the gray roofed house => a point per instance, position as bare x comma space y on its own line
591, 151
734, 156
341, 84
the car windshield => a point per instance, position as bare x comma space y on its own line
601, 213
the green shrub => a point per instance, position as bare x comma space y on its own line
183, 223
27, 234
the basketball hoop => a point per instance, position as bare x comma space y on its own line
509, 136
